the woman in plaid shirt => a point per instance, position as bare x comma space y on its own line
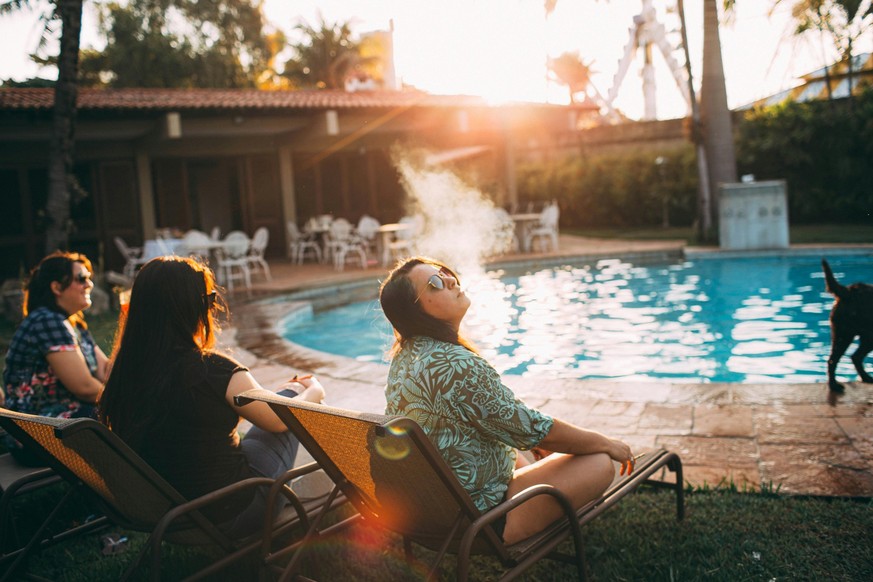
53, 367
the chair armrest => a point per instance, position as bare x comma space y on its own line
519, 498
181, 510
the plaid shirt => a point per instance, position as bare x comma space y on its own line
30, 384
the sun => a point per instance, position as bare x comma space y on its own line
491, 48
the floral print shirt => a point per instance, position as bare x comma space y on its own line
474, 420
29, 382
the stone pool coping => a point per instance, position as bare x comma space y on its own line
785, 436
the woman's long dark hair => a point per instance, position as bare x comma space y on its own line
398, 298
56, 267
169, 315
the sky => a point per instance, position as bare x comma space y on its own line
498, 48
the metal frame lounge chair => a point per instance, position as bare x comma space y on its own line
135, 497
18, 480
395, 477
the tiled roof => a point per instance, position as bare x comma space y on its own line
212, 99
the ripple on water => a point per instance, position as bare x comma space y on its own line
720, 320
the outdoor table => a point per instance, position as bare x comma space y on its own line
521, 223
320, 230
387, 232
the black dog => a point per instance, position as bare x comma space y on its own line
851, 316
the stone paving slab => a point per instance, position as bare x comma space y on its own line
796, 438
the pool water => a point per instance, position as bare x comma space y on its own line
703, 320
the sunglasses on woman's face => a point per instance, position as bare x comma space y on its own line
437, 282
209, 299
82, 278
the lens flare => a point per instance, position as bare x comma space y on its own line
394, 445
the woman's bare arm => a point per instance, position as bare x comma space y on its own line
259, 413
568, 438
72, 370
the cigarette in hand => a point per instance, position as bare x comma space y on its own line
297, 378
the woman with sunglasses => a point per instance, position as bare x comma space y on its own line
169, 395
439, 380
53, 366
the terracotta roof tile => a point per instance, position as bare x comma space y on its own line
211, 99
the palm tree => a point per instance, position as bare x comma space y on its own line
844, 21
325, 57
715, 117
570, 70
61, 179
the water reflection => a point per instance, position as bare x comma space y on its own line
739, 320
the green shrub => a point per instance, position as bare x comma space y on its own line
625, 189
821, 149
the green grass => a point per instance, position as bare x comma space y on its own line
798, 234
726, 535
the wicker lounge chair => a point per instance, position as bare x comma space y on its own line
135, 497
395, 477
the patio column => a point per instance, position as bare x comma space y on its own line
146, 194
286, 186
511, 188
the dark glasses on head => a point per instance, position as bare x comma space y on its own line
437, 282
209, 299
82, 278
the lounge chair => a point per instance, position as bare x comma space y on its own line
18, 480
395, 477
135, 497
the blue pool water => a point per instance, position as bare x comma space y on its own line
705, 320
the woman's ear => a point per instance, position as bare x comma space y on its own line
56, 288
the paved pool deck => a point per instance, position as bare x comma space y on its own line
798, 438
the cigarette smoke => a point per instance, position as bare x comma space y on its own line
461, 226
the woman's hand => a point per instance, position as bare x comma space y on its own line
622, 453
312, 390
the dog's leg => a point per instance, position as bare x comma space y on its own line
839, 345
865, 347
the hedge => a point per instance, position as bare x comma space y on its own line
824, 151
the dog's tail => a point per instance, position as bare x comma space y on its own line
833, 286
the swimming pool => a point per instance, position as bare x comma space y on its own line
761, 319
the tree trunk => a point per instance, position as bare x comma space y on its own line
704, 214
61, 180
718, 139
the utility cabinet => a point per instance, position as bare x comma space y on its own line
753, 215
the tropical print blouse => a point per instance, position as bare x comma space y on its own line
473, 419
30, 384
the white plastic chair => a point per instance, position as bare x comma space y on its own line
301, 243
233, 259
133, 257
367, 229
257, 250
506, 231
341, 241
546, 228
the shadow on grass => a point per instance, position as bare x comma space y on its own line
726, 535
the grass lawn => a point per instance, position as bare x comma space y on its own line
726, 535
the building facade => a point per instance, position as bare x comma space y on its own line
149, 159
